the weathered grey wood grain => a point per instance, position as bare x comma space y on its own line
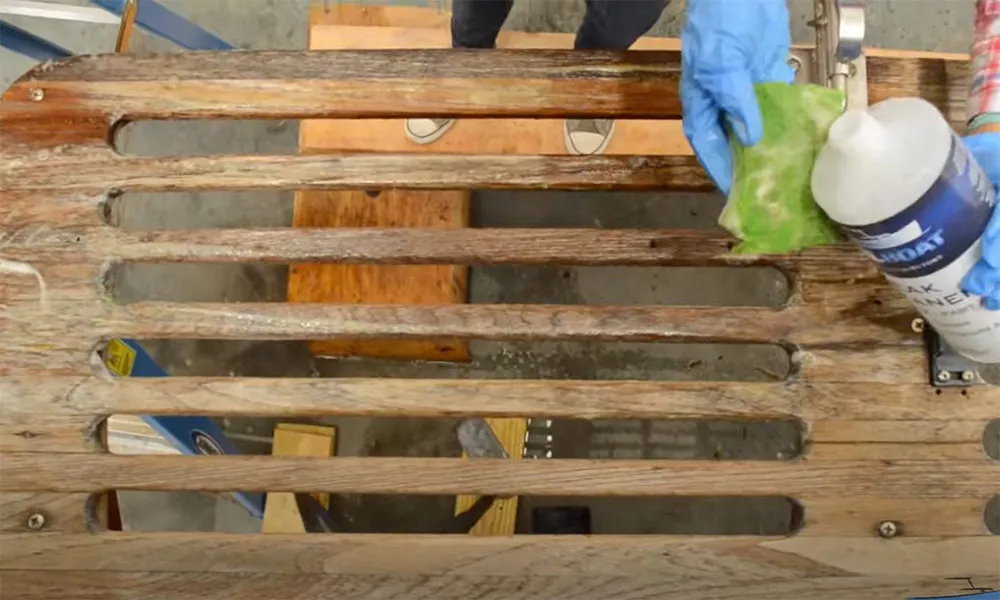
886, 411
280, 321
102, 171
673, 247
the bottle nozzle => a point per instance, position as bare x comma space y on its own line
857, 132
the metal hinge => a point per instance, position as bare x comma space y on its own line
840, 59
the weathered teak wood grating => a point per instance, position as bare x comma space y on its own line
882, 445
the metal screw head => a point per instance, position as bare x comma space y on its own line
917, 325
968, 375
944, 376
36, 521
37, 94
888, 529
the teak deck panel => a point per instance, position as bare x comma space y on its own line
880, 443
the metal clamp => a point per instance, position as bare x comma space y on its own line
840, 59
947, 367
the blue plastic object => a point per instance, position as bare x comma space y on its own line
984, 279
169, 25
190, 435
728, 47
977, 596
20, 41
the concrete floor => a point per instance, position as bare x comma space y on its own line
281, 24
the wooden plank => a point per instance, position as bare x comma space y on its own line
501, 518
441, 212
34, 585
889, 451
357, 84
955, 430
480, 136
102, 171
941, 78
368, 84
904, 478
41, 432
860, 518
843, 404
281, 513
876, 365
274, 321
428, 245
66, 513
742, 558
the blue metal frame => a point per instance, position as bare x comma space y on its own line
20, 41
169, 25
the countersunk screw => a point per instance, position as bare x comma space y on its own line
946, 376
37, 94
795, 63
888, 529
917, 325
968, 375
36, 521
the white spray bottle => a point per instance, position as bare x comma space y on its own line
904, 187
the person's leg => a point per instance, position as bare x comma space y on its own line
616, 24
474, 24
608, 25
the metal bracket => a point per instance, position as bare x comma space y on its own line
947, 368
840, 59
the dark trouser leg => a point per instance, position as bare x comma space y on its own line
616, 24
476, 23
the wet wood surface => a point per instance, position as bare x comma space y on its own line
879, 443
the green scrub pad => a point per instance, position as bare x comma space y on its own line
771, 207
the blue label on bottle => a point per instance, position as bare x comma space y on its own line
936, 229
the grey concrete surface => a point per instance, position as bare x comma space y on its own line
266, 24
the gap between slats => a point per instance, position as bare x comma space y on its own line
906, 478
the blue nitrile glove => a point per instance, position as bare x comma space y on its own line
984, 278
727, 47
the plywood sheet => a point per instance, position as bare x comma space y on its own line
382, 284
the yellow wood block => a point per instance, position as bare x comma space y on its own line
502, 516
281, 514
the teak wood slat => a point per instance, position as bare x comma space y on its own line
878, 442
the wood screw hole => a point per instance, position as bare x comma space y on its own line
36, 521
